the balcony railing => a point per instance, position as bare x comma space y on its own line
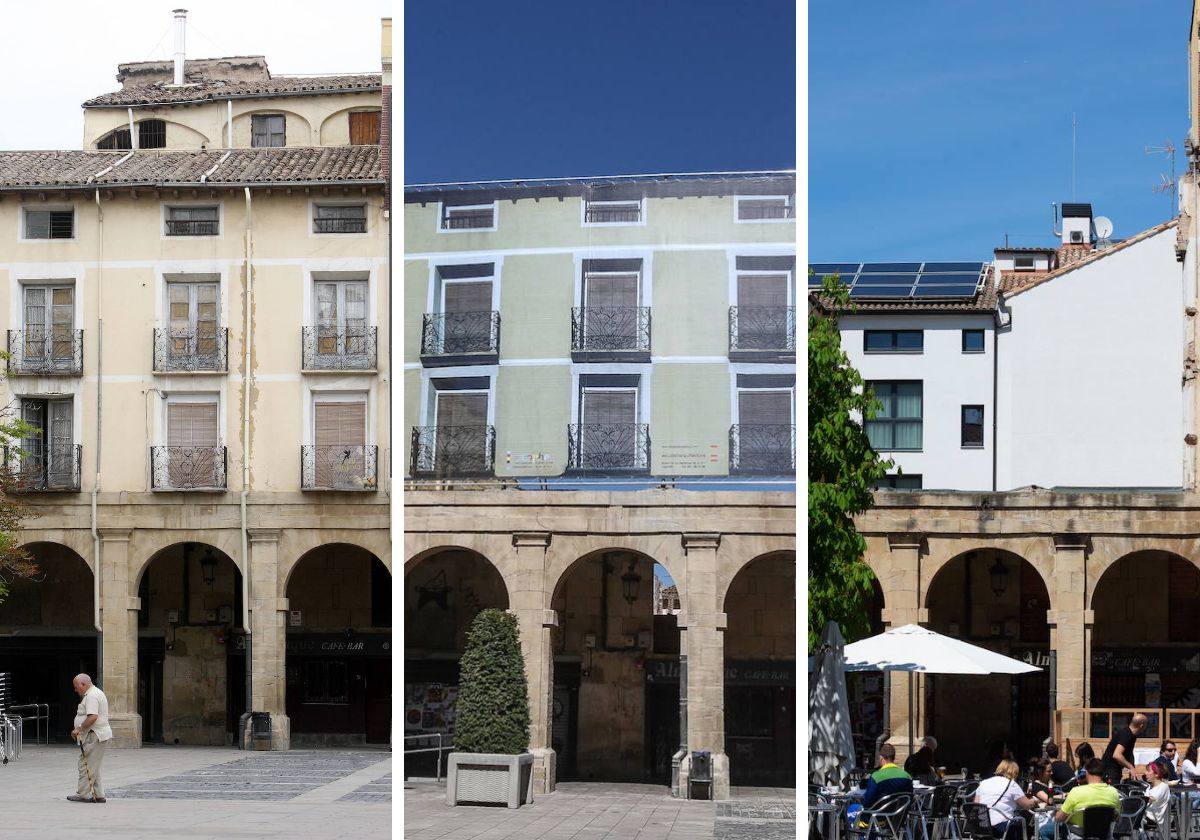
40, 352
610, 332
340, 225
456, 337
762, 449
608, 447
187, 467
338, 348
600, 213
187, 351
468, 220
765, 210
38, 467
452, 451
193, 227
352, 468
756, 331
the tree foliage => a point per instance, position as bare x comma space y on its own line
842, 470
492, 711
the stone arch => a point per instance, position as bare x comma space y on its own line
737, 551
79, 542
145, 546
324, 130
738, 569
941, 552
295, 547
58, 567
242, 126
566, 553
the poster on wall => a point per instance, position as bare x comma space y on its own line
429, 708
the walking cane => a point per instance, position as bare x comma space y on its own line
87, 770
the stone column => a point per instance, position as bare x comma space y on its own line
527, 601
704, 625
902, 594
1071, 630
118, 618
268, 640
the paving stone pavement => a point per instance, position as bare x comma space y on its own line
595, 811
379, 790
143, 804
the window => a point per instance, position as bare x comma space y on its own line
612, 212
611, 318
897, 422
610, 434
152, 134
47, 456
192, 341
48, 341
1023, 262
325, 681
763, 315
49, 224
972, 341
466, 316
194, 457
267, 130
364, 128
340, 218
900, 482
765, 208
972, 426
193, 221
893, 341
340, 440
341, 318
468, 217
461, 421
116, 139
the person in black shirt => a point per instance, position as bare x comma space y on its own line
920, 764
1060, 771
1040, 781
1166, 757
1118, 755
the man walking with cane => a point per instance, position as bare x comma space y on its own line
93, 733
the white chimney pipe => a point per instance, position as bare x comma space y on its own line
180, 45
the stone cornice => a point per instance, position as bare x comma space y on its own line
115, 534
694, 542
531, 539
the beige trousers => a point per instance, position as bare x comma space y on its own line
93, 758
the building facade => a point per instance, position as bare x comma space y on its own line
576, 352
197, 329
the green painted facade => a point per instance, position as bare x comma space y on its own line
688, 245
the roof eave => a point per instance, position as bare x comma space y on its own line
222, 98
116, 185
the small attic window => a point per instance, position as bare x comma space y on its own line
1023, 262
152, 134
117, 139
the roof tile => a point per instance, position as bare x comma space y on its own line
210, 91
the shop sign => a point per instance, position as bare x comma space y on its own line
1145, 660
764, 672
358, 644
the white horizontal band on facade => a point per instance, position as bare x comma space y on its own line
747, 248
190, 265
654, 360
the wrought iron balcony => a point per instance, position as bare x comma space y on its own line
342, 225
758, 332
452, 451
455, 338
193, 227
187, 351
762, 449
601, 213
41, 352
338, 348
38, 467
352, 468
468, 220
608, 447
187, 467
610, 333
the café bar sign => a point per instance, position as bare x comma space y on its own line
765, 672
1147, 660
333, 644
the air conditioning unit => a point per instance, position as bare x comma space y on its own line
1076, 236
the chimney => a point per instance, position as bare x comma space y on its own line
180, 44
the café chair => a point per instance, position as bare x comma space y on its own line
887, 818
935, 817
1098, 824
1131, 820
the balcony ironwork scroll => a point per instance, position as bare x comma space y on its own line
452, 451
608, 447
762, 328
460, 333
191, 351
336, 467
338, 348
762, 449
42, 352
610, 329
187, 467
39, 467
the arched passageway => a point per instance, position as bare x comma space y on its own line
338, 649
997, 600
191, 672
760, 672
48, 632
616, 670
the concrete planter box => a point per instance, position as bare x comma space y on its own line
490, 778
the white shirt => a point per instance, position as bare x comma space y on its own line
95, 703
1189, 772
1160, 803
1000, 794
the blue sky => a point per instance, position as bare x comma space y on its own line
532, 88
937, 127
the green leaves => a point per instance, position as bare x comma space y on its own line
492, 712
842, 469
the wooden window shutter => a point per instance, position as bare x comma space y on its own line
364, 128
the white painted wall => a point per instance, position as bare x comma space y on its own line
1090, 391
951, 380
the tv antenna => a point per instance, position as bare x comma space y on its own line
1166, 185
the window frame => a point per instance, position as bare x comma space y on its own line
895, 349
495, 205
313, 204
1032, 266
141, 123
962, 426
265, 115
585, 202
350, 130
789, 200
872, 386
983, 338
168, 206
635, 390
893, 476
23, 223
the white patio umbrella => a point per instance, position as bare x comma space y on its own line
917, 649
830, 739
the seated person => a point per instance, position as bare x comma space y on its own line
1094, 792
1060, 771
920, 765
1166, 756
888, 779
1158, 807
1041, 780
1002, 796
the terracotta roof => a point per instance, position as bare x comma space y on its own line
211, 91
288, 165
984, 301
1028, 283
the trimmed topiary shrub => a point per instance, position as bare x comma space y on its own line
492, 711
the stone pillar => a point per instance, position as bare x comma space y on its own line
704, 626
118, 618
268, 640
527, 601
903, 594
1071, 630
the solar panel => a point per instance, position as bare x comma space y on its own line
886, 268
822, 269
972, 267
886, 279
860, 291
962, 290
904, 280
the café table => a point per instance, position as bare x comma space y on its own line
1181, 808
828, 819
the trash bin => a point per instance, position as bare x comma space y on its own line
256, 731
700, 775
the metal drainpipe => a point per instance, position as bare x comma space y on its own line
246, 574
96, 479
133, 138
229, 123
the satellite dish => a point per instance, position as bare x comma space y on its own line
1104, 227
